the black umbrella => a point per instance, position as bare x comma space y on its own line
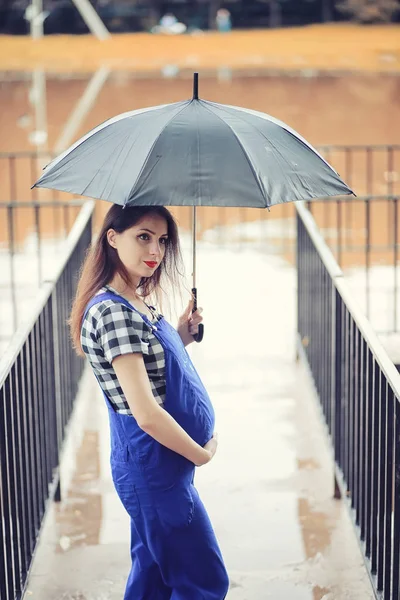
193, 153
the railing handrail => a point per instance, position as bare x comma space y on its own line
27, 153
348, 199
79, 201
336, 274
357, 146
44, 153
22, 333
40, 203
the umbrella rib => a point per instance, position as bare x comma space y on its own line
276, 122
321, 158
70, 159
98, 128
70, 163
152, 148
306, 146
106, 159
260, 186
267, 140
294, 134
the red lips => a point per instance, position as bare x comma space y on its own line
150, 263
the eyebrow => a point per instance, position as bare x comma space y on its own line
153, 232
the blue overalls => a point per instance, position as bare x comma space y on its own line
174, 551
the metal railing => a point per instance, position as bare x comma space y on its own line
365, 231
32, 235
370, 169
18, 172
369, 243
39, 376
359, 391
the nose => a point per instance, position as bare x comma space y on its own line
155, 249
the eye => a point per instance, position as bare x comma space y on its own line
144, 236
164, 241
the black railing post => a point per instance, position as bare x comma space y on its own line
368, 256
339, 232
57, 385
11, 250
375, 466
299, 272
381, 491
38, 244
13, 178
6, 506
389, 188
348, 173
388, 493
369, 407
66, 220
337, 362
395, 260
363, 437
396, 503
3, 558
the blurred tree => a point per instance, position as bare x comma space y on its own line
326, 11
155, 12
213, 7
275, 12
369, 11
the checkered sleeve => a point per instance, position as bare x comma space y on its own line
120, 331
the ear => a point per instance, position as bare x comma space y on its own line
111, 235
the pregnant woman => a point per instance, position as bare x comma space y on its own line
161, 417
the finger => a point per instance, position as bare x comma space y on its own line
188, 309
195, 320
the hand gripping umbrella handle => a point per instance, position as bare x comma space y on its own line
197, 336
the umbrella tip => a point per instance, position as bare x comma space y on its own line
195, 86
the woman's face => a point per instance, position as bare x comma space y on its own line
141, 248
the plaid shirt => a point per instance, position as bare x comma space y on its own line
110, 329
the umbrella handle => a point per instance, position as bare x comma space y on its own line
199, 335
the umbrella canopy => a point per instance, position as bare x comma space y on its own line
193, 153
196, 153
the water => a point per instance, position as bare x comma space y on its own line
349, 109
46, 112
43, 112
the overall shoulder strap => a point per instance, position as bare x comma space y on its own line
116, 298
108, 296
96, 300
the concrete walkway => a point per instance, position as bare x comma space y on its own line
269, 488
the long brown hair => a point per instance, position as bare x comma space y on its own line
102, 263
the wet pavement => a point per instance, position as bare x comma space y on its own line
269, 490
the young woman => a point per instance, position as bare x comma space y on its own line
161, 417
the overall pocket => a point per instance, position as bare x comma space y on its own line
123, 480
174, 507
161, 467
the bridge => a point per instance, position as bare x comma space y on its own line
299, 355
